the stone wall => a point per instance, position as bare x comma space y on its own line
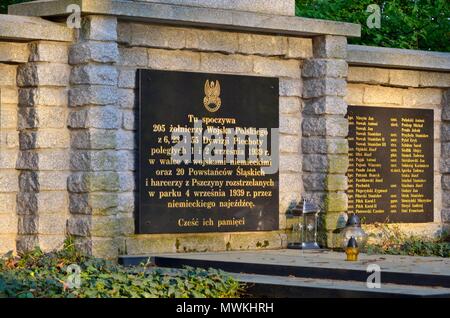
387, 87
199, 50
34, 148
34, 140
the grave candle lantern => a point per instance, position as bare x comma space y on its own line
353, 230
306, 226
310, 225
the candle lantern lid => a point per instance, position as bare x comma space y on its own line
304, 207
353, 220
309, 207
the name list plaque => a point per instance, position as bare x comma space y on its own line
391, 171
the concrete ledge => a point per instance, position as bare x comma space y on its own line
141, 244
282, 7
398, 58
30, 28
192, 16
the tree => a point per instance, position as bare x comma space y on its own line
5, 3
408, 24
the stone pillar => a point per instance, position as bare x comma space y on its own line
445, 159
324, 143
43, 162
9, 147
93, 121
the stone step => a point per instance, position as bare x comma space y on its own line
299, 287
262, 286
322, 265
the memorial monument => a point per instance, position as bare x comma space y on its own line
117, 133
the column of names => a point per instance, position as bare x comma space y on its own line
391, 164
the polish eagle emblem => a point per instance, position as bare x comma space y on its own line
212, 99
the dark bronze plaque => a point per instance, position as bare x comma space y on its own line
391, 164
204, 195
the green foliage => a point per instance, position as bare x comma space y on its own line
40, 275
413, 246
392, 241
408, 24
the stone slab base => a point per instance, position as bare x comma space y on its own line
263, 286
318, 264
207, 242
273, 286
